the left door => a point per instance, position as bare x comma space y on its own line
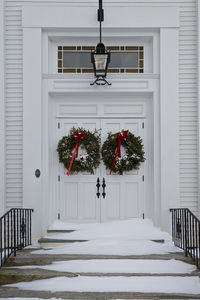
78, 201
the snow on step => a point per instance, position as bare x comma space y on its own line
137, 229
155, 284
114, 247
18, 298
119, 266
126, 237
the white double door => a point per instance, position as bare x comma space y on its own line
124, 199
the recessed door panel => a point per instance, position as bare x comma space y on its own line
131, 207
69, 200
88, 201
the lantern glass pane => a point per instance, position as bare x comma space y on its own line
100, 62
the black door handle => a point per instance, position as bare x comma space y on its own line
104, 187
98, 186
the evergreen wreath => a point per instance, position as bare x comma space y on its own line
134, 153
84, 162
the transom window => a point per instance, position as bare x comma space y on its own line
124, 59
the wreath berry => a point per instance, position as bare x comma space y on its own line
132, 147
79, 151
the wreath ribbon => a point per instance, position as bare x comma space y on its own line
77, 137
120, 138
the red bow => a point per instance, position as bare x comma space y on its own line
120, 138
77, 137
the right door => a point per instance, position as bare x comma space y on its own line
124, 193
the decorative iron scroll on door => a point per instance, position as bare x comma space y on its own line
98, 186
104, 187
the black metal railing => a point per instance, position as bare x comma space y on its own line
186, 232
15, 232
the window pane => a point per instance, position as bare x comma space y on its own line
77, 60
124, 60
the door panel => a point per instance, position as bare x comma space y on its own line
78, 201
131, 205
69, 200
88, 200
126, 199
112, 202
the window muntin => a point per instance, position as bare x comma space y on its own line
124, 59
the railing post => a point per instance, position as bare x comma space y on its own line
14, 234
31, 225
186, 232
1, 242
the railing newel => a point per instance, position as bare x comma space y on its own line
196, 246
186, 232
14, 232
1, 241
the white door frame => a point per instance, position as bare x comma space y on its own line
164, 91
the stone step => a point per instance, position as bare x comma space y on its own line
7, 292
52, 232
59, 231
51, 242
26, 257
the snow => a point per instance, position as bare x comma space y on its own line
113, 247
123, 230
119, 266
19, 298
130, 237
143, 284
33, 246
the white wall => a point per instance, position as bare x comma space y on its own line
188, 106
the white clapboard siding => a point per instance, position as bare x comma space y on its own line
188, 106
187, 100
14, 104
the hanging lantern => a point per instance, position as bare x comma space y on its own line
100, 57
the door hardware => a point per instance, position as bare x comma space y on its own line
98, 186
104, 187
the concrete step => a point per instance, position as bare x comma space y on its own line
26, 257
51, 242
7, 292
52, 232
59, 231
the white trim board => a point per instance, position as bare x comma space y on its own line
116, 17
